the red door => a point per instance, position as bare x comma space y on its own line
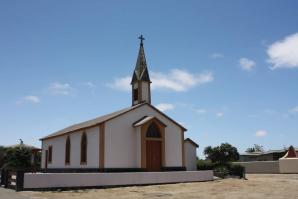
153, 155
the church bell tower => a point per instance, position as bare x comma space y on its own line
140, 80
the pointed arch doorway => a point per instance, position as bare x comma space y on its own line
152, 144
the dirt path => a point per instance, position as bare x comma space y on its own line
261, 186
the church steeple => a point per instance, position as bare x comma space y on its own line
140, 80
141, 72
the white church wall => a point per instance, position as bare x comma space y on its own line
190, 156
173, 146
122, 144
58, 150
173, 140
121, 141
138, 147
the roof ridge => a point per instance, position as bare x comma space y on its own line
96, 121
93, 122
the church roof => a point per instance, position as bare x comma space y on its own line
92, 122
141, 71
98, 120
291, 153
145, 120
191, 141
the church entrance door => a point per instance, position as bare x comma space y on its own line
153, 155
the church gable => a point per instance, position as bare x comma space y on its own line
123, 138
148, 112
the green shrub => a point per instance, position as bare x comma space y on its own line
204, 165
237, 170
221, 171
18, 157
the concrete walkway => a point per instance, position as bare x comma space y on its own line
11, 194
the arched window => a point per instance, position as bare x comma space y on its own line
67, 150
153, 131
84, 148
50, 154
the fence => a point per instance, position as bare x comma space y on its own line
260, 166
12, 179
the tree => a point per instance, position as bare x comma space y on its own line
256, 148
2, 156
221, 154
18, 157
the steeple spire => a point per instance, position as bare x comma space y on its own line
140, 79
141, 72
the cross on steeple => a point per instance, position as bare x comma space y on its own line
141, 38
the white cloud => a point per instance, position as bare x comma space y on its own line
176, 80
57, 88
294, 110
165, 107
179, 80
88, 84
261, 133
201, 111
122, 83
270, 111
246, 64
219, 114
29, 99
216, 55
284, 53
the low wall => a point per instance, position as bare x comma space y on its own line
64, 180
288, 165
260, 166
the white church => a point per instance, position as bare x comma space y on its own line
137, 138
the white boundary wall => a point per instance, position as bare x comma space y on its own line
283, 165
260, 166
56, 180
288, 165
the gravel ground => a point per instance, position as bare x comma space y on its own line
263, 186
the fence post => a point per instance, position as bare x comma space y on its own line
5, 179
20, 180
2, 177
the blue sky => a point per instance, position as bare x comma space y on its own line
226, 70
